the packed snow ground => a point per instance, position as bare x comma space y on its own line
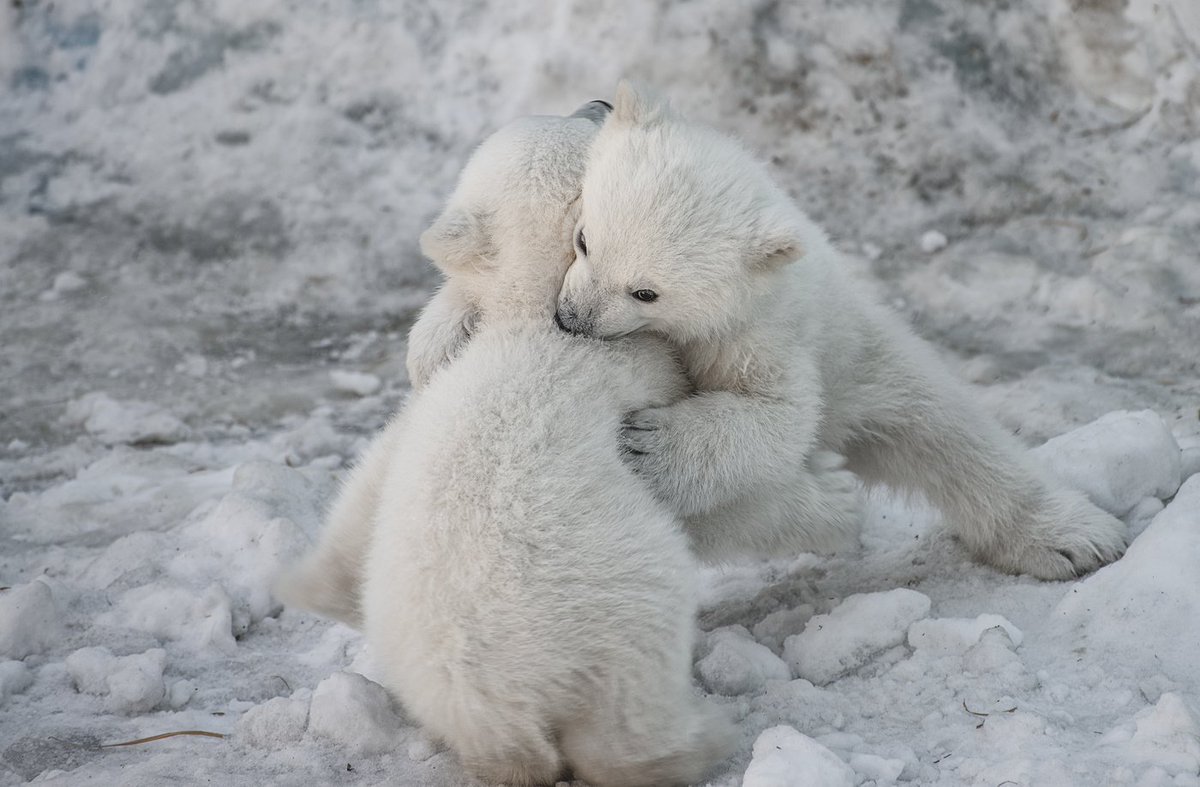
208, 223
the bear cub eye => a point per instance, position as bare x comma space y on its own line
646, 296
581, 242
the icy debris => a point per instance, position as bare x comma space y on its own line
853, 633
131, 684
275, 723
68, 281
736, 664
200, 618
784, 757
1119, 459
880, 770
355, 712
15, 677
957, 635
781, 624
130, 422
357, 383
30, 621
1141, 610
1166, 735
933, 241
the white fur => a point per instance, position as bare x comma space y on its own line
793, 363
527, 597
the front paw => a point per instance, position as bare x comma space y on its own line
643, 441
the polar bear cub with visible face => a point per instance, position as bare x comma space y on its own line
525, 595
683, 234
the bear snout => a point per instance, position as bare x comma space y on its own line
568, 320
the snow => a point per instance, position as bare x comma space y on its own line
209, 214
1144, 607
857, 630
1119, 460
933, 242
736, 664
784, 757
30, 621
359, 383
130, 684
356, 713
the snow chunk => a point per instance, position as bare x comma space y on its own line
1189, 461
1135, 609
200, 619
1117, 460
129, 422
1165, 735
880, 770
29, 620
278, 722
132, 684
944, 636
357, 383
739, 665
933, 241
853, 633
67, 282
781, 624
15, 677
784, 757
355, 712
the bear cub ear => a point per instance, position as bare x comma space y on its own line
776, 244
458, 242
638, 105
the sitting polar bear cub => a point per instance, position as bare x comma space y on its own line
684, 235
525, 595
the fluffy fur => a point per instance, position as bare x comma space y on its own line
793, 363
526, 596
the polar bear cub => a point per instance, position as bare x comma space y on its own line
683, 234
525, 595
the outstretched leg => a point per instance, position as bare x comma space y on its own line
920, 432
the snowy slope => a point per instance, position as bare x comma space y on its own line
208, 262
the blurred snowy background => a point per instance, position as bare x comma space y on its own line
209, 214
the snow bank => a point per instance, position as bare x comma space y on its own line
784, 757
30, 620
853, 633
1119, 460
1143, 609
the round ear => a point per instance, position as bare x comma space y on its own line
776, 242
638, 105
458, 241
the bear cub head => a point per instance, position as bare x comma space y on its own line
681, 230
504, 237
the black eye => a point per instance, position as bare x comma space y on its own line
581, 242
646, 296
